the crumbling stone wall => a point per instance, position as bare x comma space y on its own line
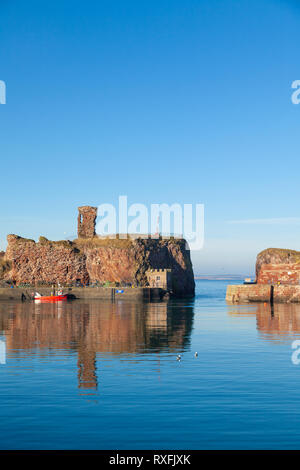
279, 273
87, 221
94, 259
44, 262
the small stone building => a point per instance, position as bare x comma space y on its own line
160, 278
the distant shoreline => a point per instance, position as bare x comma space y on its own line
220, 277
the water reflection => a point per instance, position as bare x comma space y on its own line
276, 322
95, 327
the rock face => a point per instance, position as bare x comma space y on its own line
128, 261
5, 267
277, 276
94, 259
44, 262
278, 265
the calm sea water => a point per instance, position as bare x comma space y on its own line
97, 375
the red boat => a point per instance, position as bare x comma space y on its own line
51, 298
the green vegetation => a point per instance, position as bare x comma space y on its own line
24, 240
64, 243
107, 242
282, 253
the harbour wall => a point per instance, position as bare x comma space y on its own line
263, 293
88, 293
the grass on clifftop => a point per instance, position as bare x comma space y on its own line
64, 243
81, 243
283, 252
102, 242
120, 242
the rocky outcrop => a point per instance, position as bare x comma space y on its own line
44, 262
129, 260
5, 267
94, 259
278, 265
277, 279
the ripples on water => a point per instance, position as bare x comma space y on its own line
101, 375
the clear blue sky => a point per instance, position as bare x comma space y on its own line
163, 101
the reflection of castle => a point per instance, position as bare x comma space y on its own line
277, 322
91, 328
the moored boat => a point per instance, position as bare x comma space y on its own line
50, 298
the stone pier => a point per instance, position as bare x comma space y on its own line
263, 293
87, 293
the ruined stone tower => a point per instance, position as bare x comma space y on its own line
87, 221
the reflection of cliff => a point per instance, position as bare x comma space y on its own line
94, 327
277, 322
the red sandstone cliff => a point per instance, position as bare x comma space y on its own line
278, 265
44, 262
94, 259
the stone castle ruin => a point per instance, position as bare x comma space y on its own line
98, 260
86, 221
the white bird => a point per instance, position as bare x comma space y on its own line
196, 354
178, 357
